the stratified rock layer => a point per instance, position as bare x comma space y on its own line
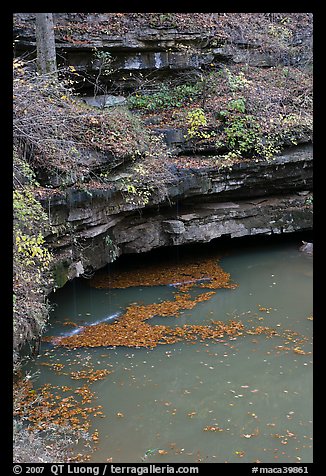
201, 205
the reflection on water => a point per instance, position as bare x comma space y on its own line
242, 399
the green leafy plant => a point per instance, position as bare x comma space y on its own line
32, 259
159, 20
238, 104
113, 250
165, 97
103, 59
135, 192
196, 120
309, 200
237, 82
242, 133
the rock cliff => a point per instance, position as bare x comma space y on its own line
204, 196
95, 226
168, 44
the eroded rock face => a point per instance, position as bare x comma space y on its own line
143, 47
202, 204
203, 222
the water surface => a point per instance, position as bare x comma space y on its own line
241, 399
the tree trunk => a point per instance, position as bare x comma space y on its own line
45, 43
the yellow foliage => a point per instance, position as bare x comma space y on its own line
196, 120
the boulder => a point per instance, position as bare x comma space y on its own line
104, 100
307, 247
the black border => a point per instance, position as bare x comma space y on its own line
6, 203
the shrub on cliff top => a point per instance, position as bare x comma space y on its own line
60, 134
31, 259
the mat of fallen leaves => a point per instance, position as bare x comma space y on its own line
184, 271
131, 330
47, 405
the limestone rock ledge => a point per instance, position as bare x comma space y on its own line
94, 227
204, 222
